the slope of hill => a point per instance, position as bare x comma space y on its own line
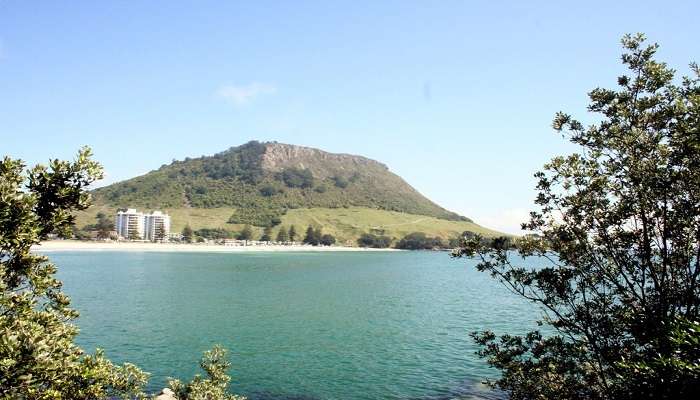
346, 224
265, 180
267, 184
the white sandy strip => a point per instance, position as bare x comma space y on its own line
74, 245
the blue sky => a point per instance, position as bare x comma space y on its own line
457, 97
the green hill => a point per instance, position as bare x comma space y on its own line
265, 184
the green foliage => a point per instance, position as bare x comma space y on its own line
269, 190
374, 241
618, 241
241, 162
292, 233
297, 178
340, 182
282, 235
246, 233
214, 386
187, 234
418, 241
313, 236
214, 233
309, 236
327, 240
679, 368
38, 359
266, 235
321, 188
257, 216
104, 226
82, 234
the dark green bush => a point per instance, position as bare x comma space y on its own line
374, 241
297, 178
419, 241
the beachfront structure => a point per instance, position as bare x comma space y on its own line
135, 225
130, 224
157, 226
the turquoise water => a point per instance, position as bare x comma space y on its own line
375, 325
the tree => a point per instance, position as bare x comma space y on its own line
292, 233
38, 358
327, 240
418, 241
312, 236
374, 241
214, 386
309, 236
317, 236
105, 226
618, 242
282, 235
267, 234
134, 234
188, 234
214, 233
246, 234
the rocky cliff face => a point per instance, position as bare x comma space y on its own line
278, 156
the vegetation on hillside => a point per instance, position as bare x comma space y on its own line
260, 194
618, 243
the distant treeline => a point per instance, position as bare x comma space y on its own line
421, 241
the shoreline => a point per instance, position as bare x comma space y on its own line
76, 245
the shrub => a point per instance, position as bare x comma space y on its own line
327, 240
418, 241
297, 178
374, 241
214, 386
214, 233
340, 182
268, 190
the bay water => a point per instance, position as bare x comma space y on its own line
325, 325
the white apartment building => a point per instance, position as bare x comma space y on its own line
135, 225
157, 226
130, 224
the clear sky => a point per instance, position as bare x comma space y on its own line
457, 97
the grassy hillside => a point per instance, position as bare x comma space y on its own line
347, 224
274, 184
264, 181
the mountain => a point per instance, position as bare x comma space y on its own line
263, 183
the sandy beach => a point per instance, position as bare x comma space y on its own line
74, 245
